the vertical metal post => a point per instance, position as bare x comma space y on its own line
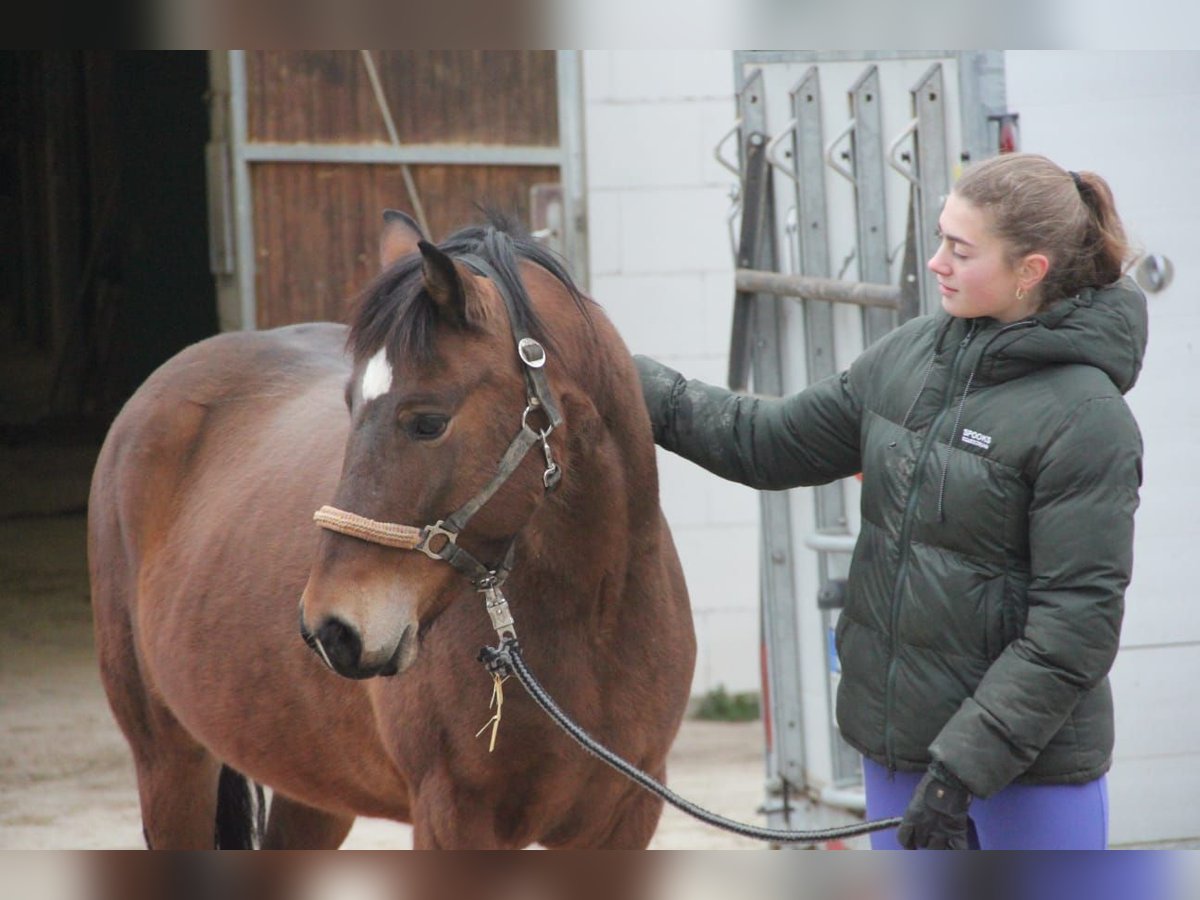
243, 203
778, 592
932, 172
829, 499
867, 160
757, 215
814, 261
573, 164
981, 92
221, 214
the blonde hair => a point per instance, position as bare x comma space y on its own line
1036, 206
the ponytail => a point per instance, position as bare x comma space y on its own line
1105, 252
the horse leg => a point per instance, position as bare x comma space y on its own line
444, 818
637, 823
177, 787
293, 825
177, 777
633, 823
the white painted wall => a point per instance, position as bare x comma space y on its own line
662, 268
1134, 117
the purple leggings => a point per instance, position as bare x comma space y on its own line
1020, 817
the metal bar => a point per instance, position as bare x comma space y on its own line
785, 168
830, 543
225, 275
755, 219
777, 607
220, 211
933, 174
830, 290
221, 250
867, 158
910, 279
760, 57
573, 163
831, 161
717, 155
410, 154
905, 169
829, 500
242, 198
981, 92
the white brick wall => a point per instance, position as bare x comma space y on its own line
662, 268
1134, 117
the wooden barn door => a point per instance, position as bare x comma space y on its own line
304, 160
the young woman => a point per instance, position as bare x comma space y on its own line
1001, 470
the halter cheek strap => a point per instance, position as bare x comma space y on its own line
531, 353
440, 540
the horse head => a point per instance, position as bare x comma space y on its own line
449, 345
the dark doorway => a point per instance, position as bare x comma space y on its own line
103, 222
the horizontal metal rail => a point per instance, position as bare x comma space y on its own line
831, 543
412, 154
832, 290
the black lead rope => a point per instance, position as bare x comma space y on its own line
507, 658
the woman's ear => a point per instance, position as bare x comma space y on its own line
1032, 270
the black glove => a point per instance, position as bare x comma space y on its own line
936, 817
659, 385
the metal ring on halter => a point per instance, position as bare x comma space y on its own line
429, 532
543, 433
531, 352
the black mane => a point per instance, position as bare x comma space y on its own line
395, 312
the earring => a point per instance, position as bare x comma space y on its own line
1020, 294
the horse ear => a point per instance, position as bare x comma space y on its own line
451, 288
398, 238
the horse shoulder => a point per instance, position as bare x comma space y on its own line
215, 389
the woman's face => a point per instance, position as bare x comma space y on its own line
973, 272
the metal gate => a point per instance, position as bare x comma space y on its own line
844, 161
307, 149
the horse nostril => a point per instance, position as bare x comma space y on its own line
341, 645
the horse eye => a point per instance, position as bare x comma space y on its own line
426, 427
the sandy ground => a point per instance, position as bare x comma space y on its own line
66, 780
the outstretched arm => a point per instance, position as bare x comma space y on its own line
811, 437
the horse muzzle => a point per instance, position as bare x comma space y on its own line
339, 645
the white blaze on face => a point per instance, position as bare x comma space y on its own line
377, 377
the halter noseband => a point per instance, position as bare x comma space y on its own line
440, 540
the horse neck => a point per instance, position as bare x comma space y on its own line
605, 515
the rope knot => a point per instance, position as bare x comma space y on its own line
497, 660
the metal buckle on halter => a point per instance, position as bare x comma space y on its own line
531, 352
429, 532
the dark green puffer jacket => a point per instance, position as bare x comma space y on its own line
1001, 469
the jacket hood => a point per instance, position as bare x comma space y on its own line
1102, 327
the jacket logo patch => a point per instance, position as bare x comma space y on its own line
976, 439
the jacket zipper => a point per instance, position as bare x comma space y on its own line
905, 528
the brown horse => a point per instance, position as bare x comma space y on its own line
201, 542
